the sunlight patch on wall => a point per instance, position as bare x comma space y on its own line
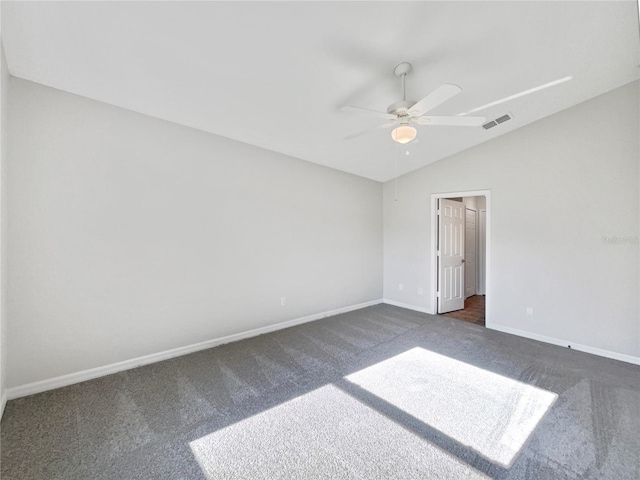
492, 414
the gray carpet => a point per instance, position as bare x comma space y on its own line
377, 393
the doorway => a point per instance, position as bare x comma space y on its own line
460, 255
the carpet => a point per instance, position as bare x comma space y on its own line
381, 392
489, 413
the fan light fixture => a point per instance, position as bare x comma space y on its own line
403, 133
402, 115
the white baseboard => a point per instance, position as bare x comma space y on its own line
534, 336
70, 379
3, 403
408, 306
564, 343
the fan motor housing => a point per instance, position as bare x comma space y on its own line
401, 108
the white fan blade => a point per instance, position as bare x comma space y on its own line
452, 121
435, 98
351, 108
369, 130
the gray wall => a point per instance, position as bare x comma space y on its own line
558, 186
130, 236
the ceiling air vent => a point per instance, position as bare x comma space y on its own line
497, 121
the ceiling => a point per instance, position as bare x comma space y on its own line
275, 74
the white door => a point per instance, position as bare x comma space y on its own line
450, 256
470, 255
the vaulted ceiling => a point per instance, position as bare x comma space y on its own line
275, 74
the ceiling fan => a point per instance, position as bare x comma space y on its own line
406, 113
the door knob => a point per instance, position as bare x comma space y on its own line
463, 260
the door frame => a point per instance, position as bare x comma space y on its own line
434, 243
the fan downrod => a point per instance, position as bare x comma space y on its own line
402, 107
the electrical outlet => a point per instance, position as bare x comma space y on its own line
400, 286
420, 291
283, 301
529, 311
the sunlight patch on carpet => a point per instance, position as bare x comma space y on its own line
325, 433
489, 413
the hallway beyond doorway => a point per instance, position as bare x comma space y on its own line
473, 310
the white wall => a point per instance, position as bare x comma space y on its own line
471, 202
129, 236
4, 97
558, 186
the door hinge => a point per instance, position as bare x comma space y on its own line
438, 294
